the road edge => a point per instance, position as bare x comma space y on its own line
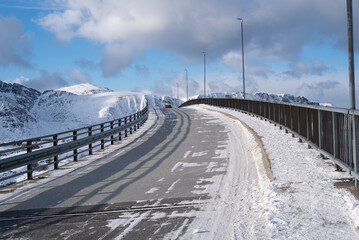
265, 159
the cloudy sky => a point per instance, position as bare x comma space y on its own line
291, 46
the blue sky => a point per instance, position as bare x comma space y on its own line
296, 47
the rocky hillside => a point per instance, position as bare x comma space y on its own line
26, 112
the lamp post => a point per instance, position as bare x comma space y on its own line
244, 85
186, 82
351, 54
352, 88
204, 73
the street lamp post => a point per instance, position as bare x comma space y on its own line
186, 82
352, 88
204, 74
351, 54
244, 85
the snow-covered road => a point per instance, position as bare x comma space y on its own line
192, 173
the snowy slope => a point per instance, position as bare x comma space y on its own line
28, 113
84, 89
15, 104
59, 111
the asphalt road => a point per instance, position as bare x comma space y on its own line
147, 188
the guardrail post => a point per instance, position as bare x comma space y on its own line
138, 124
334, 122
90, 145
291, 118
120, 133
29, 166
112, 140
74, 138
308, 124
102, 140
320, 131
131, 119
299, 128
126, 128
135, 126
355, 148
56, 158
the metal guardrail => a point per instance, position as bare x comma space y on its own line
332, 131
57, 147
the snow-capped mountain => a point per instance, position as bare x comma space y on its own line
286, 98
26, 112
84, 89
15, 102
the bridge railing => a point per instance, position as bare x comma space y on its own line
332, 131
37, 154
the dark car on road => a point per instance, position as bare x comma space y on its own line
168, 106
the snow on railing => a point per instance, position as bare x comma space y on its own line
36, 155
334, 132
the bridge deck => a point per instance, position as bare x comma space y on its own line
148, 186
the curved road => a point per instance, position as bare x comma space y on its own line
146, 187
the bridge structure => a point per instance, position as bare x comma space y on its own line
332, 131
153, 177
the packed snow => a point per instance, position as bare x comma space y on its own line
301, 202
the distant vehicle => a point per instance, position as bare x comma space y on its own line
168, 106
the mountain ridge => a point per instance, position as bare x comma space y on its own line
27, 112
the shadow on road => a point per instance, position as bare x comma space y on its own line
160, 145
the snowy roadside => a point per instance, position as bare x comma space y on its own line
300, 203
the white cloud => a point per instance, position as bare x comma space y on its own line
79, 76
115, 58
274, 30
45, 81
21, 80
168, 85
14, 45
143, 71
300, 69
232, 59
